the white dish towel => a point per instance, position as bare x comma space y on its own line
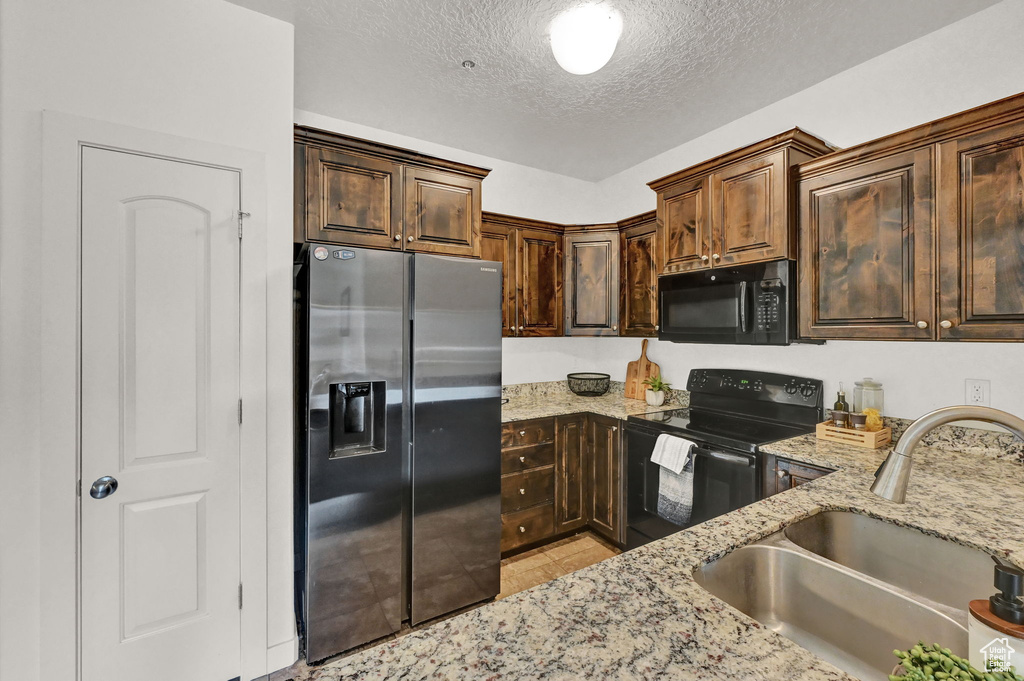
675, 481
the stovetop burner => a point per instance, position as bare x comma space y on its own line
733, 431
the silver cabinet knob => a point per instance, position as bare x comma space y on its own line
946, 324
522, 459
615, 328
703, 258
410, 239
398, 237
522, 529
657, 327
922, 324
522, 433
716, 257
615, 429
522, 491
780, 474
103, 487
520, 328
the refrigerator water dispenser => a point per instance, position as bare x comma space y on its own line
358, 418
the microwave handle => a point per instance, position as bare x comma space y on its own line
743, 307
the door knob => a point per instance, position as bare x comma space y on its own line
410, 239
716, 257
922, 324
398, 237
615, 328
946, 324
703, 258
103, 487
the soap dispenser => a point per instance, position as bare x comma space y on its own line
996, 626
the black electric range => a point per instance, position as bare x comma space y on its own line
731, 414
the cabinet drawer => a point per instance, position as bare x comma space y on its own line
522, 490
533, 432
523, 458
524, 527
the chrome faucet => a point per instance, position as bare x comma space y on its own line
892, 478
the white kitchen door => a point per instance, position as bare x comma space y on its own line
160, 594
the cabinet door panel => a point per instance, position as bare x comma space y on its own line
606, 477
539, 280
592, 284
639, 301
981, 235
683, 230
442, 213
570, 443
750, 216
498, 243
352, 200
866, 251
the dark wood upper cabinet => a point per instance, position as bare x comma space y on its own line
539, 283
570, 447
592, 282
442, 213
498, 243
749, 221
918, 235
607, 477
866, 250
684, 231
351, 199
531, 254
360, 193
638, 302
981, 235
732, 209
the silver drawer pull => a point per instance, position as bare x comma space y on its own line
522, 459
522, 491
522, 529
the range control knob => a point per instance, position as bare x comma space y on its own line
791, 388
807, 390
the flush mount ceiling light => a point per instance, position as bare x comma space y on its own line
583, 38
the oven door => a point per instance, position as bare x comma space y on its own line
723, 481
743, 305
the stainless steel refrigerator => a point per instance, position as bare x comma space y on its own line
398, 461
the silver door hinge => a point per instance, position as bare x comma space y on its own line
241, 216
239, 596
239, 412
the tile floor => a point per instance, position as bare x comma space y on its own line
518, 573
543, 564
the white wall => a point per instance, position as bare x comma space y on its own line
202, 69
510, 188
969, 63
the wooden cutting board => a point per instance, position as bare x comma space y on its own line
637, 371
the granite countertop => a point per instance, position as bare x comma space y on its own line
641, 615
543, 400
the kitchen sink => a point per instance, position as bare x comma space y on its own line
851, 589
934, 568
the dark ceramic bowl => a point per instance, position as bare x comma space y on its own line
588, 383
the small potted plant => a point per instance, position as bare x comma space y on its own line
656, 388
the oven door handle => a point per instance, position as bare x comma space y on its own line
744, 293
731, 458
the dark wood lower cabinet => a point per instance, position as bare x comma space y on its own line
570, 447
606, 478
559, 475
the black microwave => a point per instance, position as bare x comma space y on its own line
743, 305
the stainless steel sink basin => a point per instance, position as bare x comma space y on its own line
934, 568
846, 610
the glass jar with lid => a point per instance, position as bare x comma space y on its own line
868, 394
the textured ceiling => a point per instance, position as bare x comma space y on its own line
681, 69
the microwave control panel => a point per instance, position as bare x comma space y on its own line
769, 303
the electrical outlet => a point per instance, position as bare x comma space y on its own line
978, 391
